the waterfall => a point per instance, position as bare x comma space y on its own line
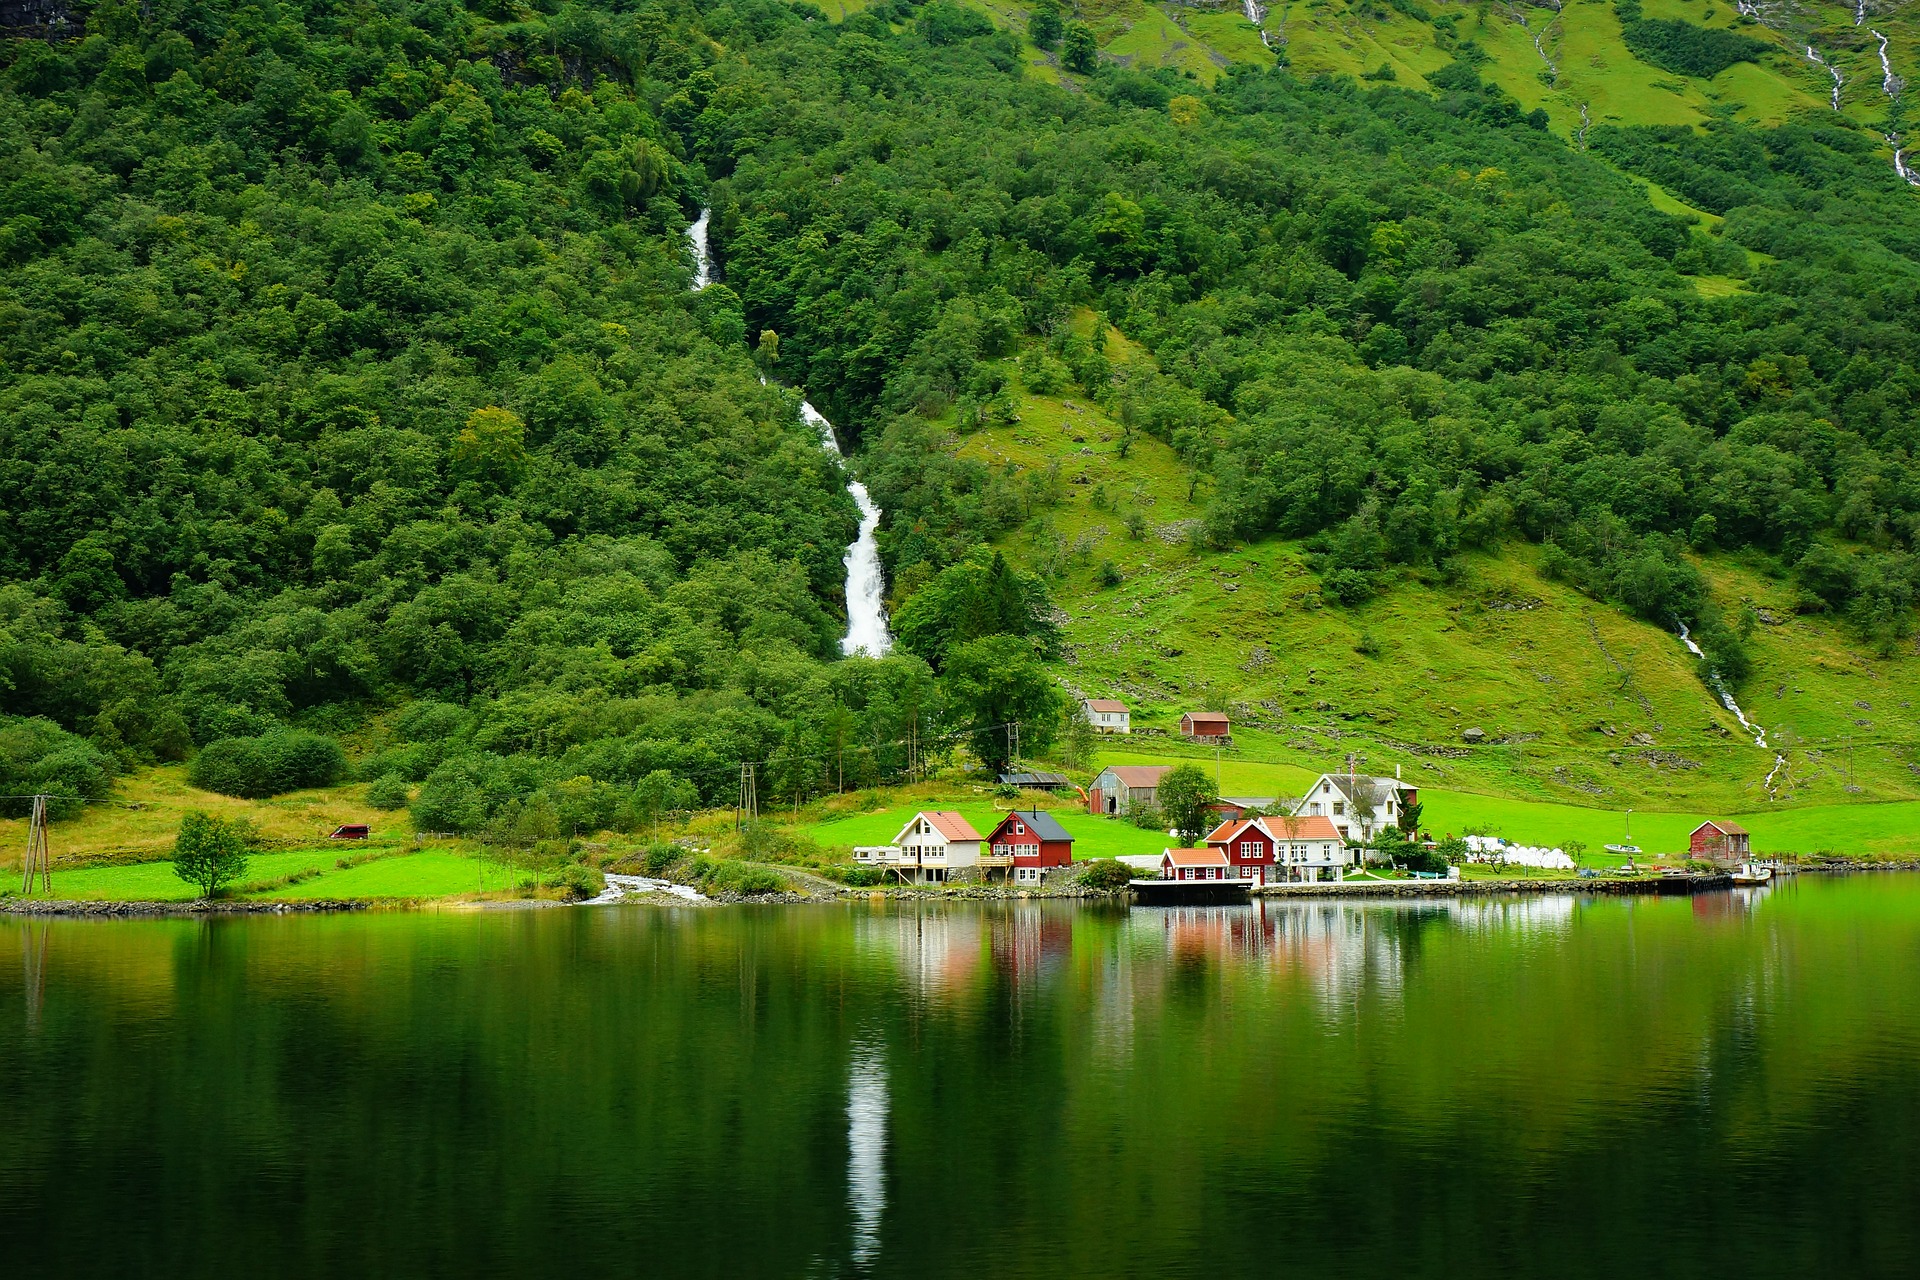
1814, 57
1585, 124
1889, 85
1859, 12
866, 584
1257, 14
1713, 679
702, 257
867, 1150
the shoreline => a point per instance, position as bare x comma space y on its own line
1674, 886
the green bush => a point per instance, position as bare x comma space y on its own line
1106, 875
720, 877
272, 764
658, 857
1147, 817
582, 881
858, 877
38, 757
390, 791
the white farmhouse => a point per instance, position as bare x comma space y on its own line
1357, 804
1107, 716
933, 845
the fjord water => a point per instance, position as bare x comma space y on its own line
1727, 1085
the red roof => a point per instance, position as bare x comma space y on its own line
1195, 857
950, 824
1107, 704
1314, 828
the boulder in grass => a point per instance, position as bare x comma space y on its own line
1473, 735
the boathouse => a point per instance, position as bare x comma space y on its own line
1033, 841
1719, 842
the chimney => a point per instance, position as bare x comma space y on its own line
1396, 773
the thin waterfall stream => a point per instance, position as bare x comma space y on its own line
866, 582
1726, 700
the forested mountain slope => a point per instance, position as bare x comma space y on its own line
350, 366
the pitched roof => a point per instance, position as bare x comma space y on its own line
1139, 775
1314, 828
1195, 857
1106, 704
1385, 786
1725, 828
1041, 823
1206, 717
1248, 802
946, 822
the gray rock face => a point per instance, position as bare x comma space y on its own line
1473, 735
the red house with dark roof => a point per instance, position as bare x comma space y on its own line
1035, 841
1718, 840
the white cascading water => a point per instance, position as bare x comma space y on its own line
866, 585
1813, 56
1859, 12
702, 256
1888, 84
1726, 699
619, 887
1256, 14
1713, 678
867, 1151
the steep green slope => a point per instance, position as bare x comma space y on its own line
1576, 701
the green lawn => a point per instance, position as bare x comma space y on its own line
155, 881
415, 875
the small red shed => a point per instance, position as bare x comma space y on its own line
1719, 841
1205, 726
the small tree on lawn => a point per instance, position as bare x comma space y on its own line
211, 853
1187, 796
1410, 818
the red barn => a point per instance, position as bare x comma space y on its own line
1206, 726
1718, 841
1034, 840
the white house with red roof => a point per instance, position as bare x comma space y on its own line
1107, 716
933, 845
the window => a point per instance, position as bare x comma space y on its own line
1339, 807
1253, 849
1019, 830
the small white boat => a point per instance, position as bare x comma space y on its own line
1623, 848
1752, 873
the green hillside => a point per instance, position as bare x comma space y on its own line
361, 425
1562, 687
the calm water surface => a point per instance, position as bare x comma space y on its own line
1726, 1086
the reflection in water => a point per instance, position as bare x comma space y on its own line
867, 1149
1568, 1086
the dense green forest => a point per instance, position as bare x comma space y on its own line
348, 361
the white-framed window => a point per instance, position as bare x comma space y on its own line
1019, 830
1253, 849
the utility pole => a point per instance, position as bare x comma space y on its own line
746, 810
37, 859
1013, 744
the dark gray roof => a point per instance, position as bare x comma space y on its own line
1035, 779
1044, 825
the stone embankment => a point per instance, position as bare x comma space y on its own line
121, 910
